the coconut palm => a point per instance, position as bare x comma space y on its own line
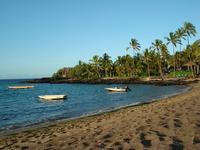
119, 66
135, 46
180, 33
156, 46
189, 58
147, 60
95, 62
164, 56
194, 57
123, 66
190, 30
174, 40
106, 64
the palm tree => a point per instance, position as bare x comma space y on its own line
96, 64
147, 60
190, 30
119, 66
173, 39
123, 66
135, 46
194, 56
156, 46
106, 63
164, 56
197, 54
180, 33
86, 71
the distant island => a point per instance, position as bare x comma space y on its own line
155, 64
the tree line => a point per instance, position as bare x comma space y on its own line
152, 61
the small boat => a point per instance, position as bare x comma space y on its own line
117, 89
21, 87
53, 97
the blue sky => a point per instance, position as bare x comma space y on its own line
37, 37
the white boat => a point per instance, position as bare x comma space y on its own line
117, 89
53, 97
21, 87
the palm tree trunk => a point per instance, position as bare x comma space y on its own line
133, 67
160, 67
105, 73
192, 71
148, 70
179, 58
174, 62
197, 69
161, 74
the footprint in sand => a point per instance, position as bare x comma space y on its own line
86, 144
177, 144
127, 140
196, 140
177, 115
198, 124
165, 125
100, 145
109, 135
177, 123
24, 147
118, 145
145, 143
160, 135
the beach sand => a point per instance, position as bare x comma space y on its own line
172, 123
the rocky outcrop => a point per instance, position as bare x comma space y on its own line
114, 81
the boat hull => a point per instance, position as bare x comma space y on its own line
20, 87
116, 90
53, 97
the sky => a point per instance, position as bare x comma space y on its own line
37, 37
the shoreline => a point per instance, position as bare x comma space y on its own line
106, 121
167, 81
46, 123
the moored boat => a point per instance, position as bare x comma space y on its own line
117, 89
21, 87
53, 97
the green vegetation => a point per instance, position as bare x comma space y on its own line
153, 61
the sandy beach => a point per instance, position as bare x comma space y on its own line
172, 123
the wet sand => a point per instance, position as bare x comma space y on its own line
172, 123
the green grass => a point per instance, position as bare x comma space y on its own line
181, 74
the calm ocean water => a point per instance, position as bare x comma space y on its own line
19, 108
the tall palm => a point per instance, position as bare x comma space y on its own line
180, 33
196, 46
106, 63
190, 30
135, 46
96, 64
164, 56
156, 46
174, 40
129, 65
194, 56
119, 66
147, 60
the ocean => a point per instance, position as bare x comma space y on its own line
22, 107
